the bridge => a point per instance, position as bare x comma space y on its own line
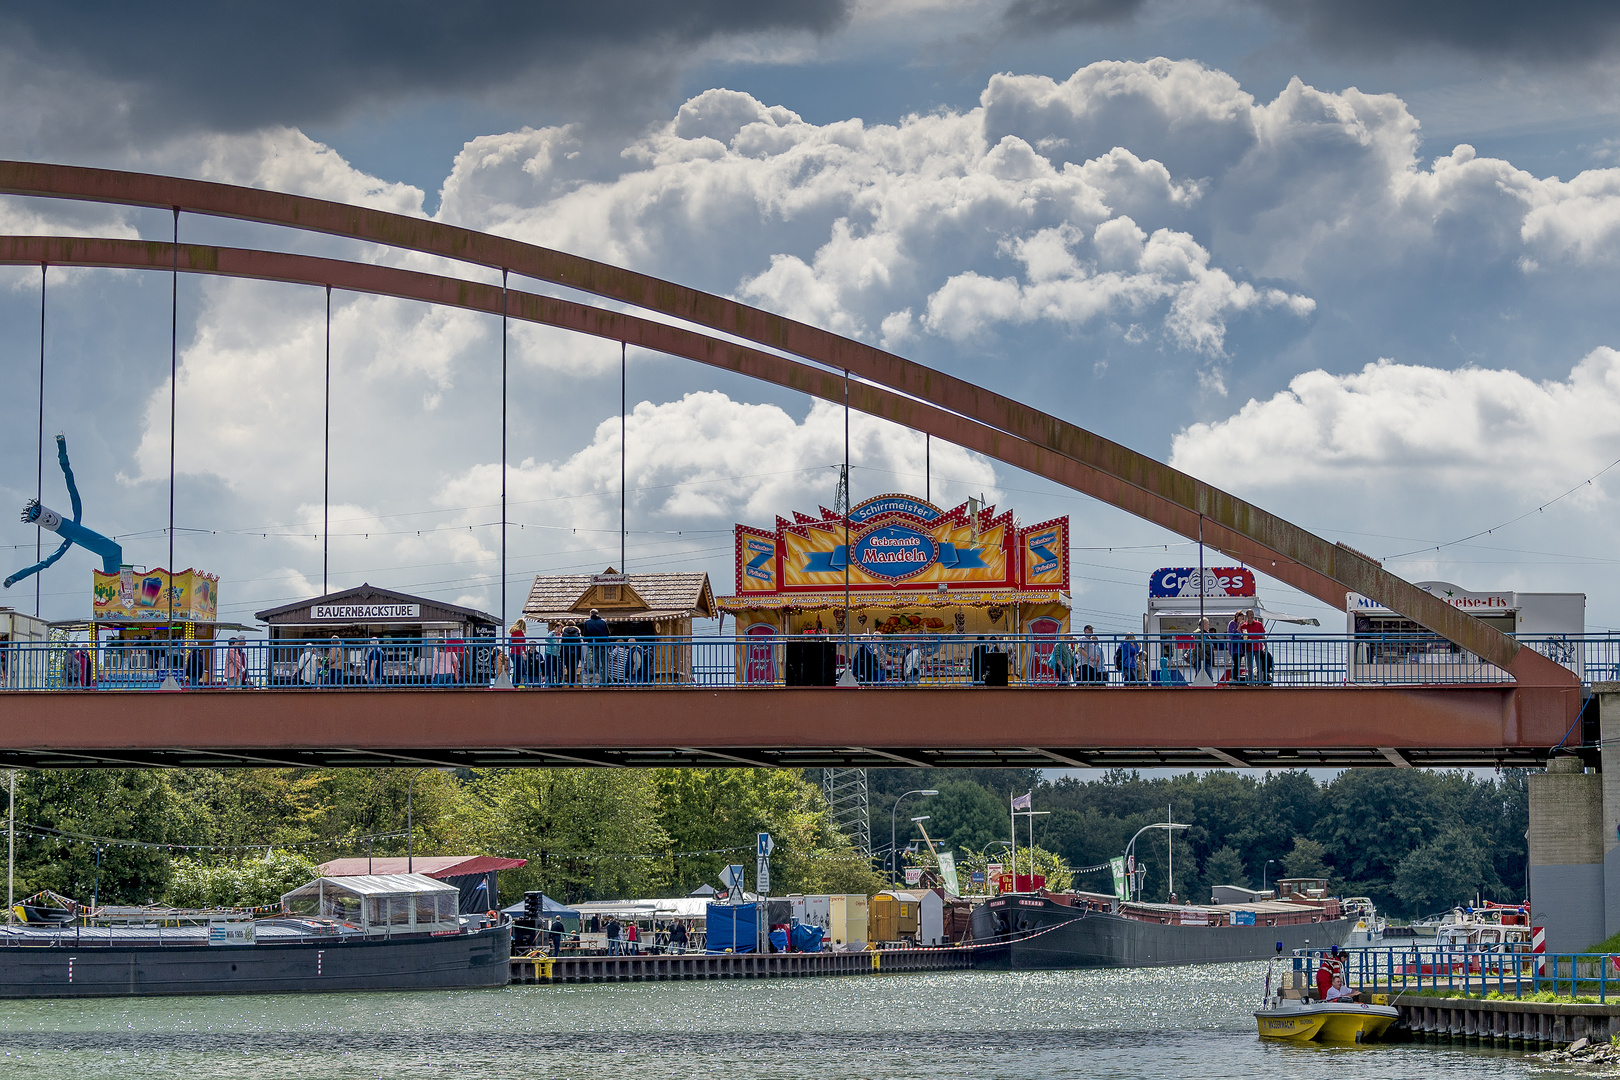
1517, 706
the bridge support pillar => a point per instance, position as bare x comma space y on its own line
1608, 715
1567, 864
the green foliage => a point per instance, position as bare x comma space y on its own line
1451, 867
577, 828
1225, 867
248, 882
964, 816
1306, 858
1609, 944
715, 809
1366, 822
136, 804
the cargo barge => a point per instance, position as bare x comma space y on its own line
1041, 931
387, 932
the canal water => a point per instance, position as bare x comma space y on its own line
1190, 1022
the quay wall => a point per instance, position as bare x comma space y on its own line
1507, 1022
650, 968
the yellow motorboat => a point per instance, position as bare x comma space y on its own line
1325, 1021
1289, 1013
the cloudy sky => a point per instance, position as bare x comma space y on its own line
1353, 261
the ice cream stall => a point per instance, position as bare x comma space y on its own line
1389, 645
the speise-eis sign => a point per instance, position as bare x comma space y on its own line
894, 552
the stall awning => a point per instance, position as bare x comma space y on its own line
887, 600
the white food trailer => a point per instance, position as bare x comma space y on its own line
1386, 639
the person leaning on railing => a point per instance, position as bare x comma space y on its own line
572, 653
308, 669
519, 652
334, 662
1128, 659
596, 632
1254, 644
235, 663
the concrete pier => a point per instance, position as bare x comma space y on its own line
1566, 854
645, 968
1531, 1025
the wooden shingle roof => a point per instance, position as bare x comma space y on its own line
639, 597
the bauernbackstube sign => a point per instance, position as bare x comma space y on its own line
362, 612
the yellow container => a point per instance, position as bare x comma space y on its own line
893, 916
847, 922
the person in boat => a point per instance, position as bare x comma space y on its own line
1340, 992
1330, 968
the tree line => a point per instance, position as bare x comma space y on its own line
1413, 840
587, 834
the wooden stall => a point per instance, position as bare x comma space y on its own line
653, 610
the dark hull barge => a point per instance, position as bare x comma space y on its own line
1038, 932
288, 956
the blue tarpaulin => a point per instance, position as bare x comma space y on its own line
733, 928
806, 938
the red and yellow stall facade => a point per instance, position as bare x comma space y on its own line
913, 568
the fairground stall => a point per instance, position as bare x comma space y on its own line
1389, 645
1175, 605
915, 571
649, 615
136, 636
408, 629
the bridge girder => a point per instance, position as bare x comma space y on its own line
788, 728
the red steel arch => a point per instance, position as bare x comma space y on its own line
1105, 469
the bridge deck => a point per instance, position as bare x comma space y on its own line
1047, 727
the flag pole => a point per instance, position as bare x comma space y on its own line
1012, 816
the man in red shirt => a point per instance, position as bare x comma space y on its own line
1254, 644
1330, 968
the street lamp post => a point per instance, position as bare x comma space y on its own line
1169, 826
410, 832
893, 854
1264, 870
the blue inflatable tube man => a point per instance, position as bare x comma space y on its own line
71, 532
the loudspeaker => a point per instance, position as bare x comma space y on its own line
811, 663
995, 669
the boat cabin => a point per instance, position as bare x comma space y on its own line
1312, 889
379, 904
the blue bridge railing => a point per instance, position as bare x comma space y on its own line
1101, 662
1504, 971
